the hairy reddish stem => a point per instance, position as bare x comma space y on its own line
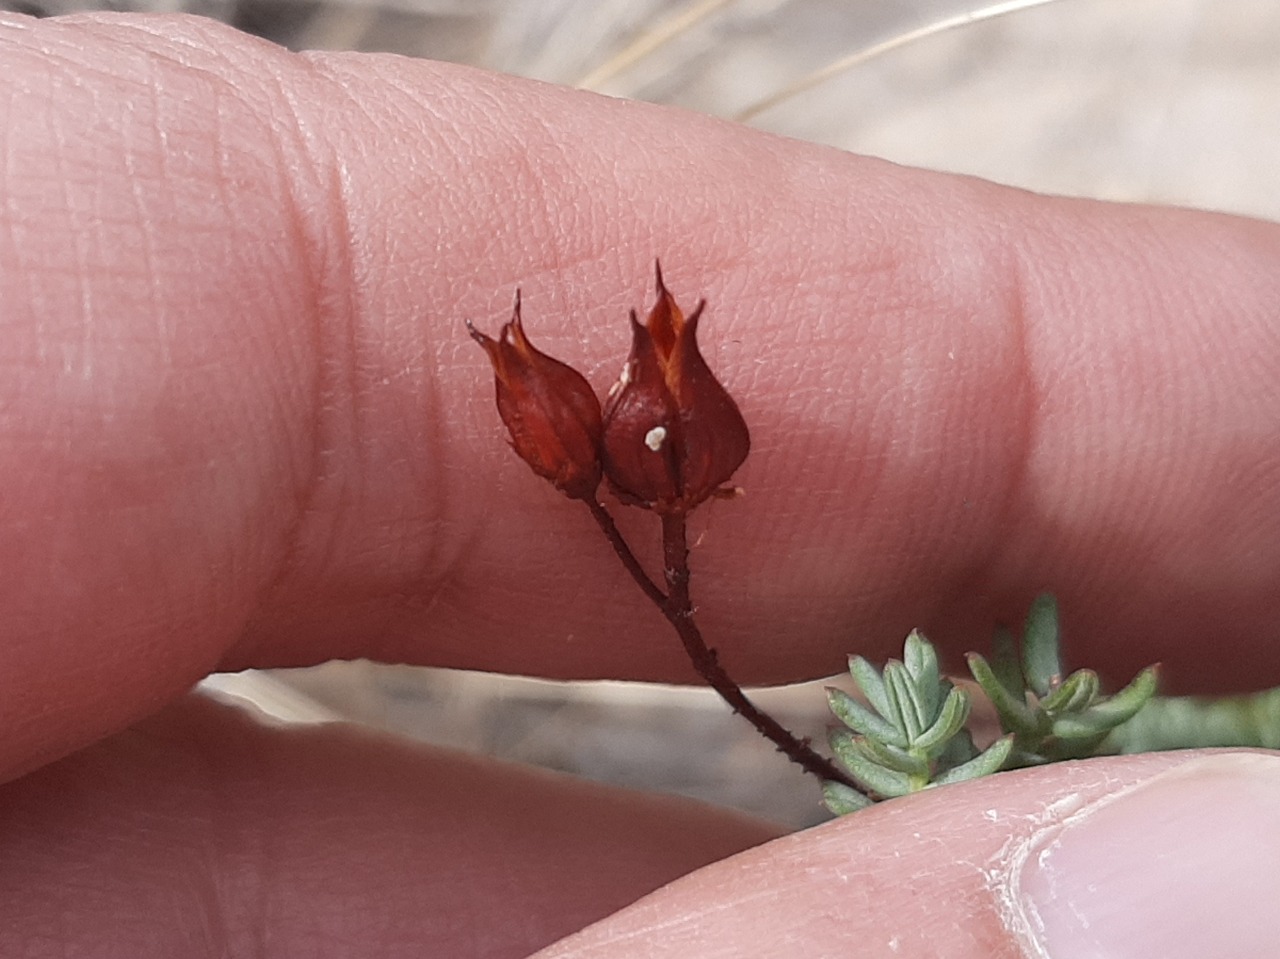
677, 607
614, 535
679, 612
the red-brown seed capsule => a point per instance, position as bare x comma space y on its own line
672, 434
548, 407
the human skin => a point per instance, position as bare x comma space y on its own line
241, 424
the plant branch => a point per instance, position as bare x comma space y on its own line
678, 609
614, 535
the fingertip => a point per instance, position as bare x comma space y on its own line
947, 874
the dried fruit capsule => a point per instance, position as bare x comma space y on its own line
672, 434
548, 407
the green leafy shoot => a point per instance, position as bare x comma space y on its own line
909, 736
1053, 717
911, 733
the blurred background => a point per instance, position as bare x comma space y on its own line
1162, 100
1169, 101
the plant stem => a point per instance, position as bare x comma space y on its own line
678, 609
614, 535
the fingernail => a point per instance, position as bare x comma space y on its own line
1184, 864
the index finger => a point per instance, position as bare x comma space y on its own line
245, 425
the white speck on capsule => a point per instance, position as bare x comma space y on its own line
655, 438
624, 379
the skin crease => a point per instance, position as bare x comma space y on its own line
241, 423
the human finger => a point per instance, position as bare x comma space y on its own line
245, 427
205, 832
1172, 855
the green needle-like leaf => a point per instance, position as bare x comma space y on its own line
869, 681
1186, 722
951, 719
1077, 691
1015, 715
1070, 740
1005, 664
861, 719
906, 701
1086, 694
921, 662
918, 656
1125, 704
842, 799
1083, 726
1041, 662
1111, 712
891, 757
959, 749
871, 776
984, 764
